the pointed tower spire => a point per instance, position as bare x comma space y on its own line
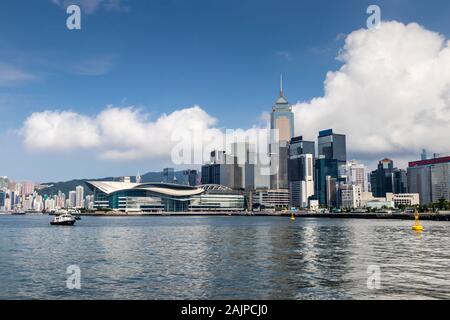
138, 177
281, 86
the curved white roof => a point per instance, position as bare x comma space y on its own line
109, 187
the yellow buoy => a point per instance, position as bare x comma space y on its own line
417, 226
292, 216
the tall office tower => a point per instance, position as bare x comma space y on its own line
332, 192
332, 146
61, 200
242, 152
282, 126
251, 168
430, 179
2, 200
79, 202
168, 175
326, 173
218, 157
256, 173
332, 153
301, 171
28, 188
190, 178
354, 173
399, 181
222, 169
381, 180
423, 155
72, 199
298, 146
89, 202
301, 187
12, 200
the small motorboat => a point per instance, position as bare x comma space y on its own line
65, 219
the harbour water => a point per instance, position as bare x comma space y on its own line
223, 258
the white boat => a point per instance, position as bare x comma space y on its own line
65, 219
76, 213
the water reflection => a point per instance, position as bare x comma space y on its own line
222, 257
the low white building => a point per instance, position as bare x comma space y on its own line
272, 198
406, 199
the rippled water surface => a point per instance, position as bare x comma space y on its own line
223, 258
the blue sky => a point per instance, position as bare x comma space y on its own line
225, 56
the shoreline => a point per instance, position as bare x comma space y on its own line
442, 216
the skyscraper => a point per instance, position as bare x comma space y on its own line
282, 126
301, 171
282, 117
399, 181
387, 179
423, 155
79, 200
168, 175
332, 153
354, 173
430, 179
72, 199
326, 172
222, 169
332, 146
2, 200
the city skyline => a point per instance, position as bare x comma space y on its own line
46, 95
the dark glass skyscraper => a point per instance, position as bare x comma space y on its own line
400, 181
381, 179
332, 152
325, 168
298, 147
301, 171
332, 146
2, 199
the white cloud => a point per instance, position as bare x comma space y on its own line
57, 131
185, 136
116, 133
391, 96
10, 75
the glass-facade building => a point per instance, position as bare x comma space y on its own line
163, 197
332, 146
326, 172
298, 148
282, 126
430, 179
2, 200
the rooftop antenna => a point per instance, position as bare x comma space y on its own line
281, 86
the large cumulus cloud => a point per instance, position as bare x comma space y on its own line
391, 95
